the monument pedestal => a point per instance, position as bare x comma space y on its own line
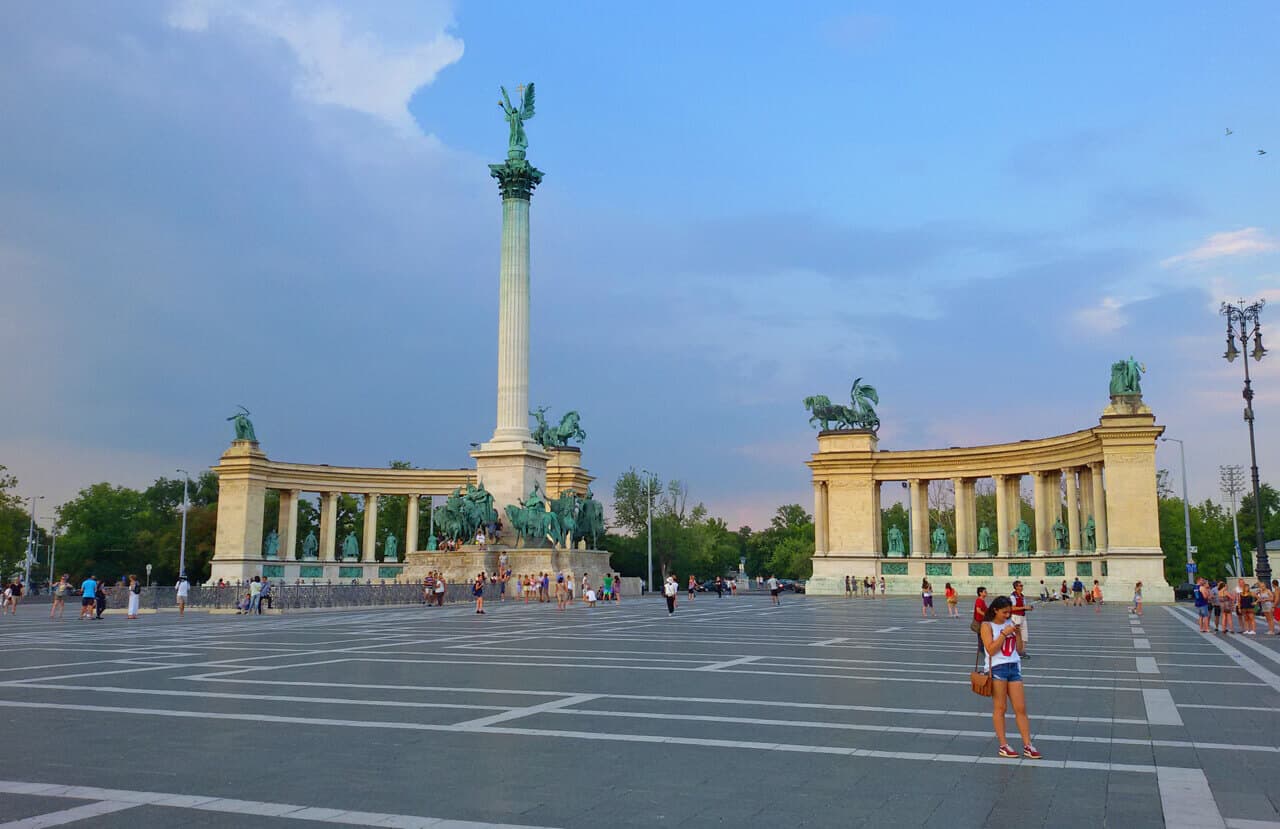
509, 470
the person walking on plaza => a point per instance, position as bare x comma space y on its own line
1227, 603
1077, 593
1097, 597
669, 590
926, 599
881, 588
135, 597
1019, 615
100, 601
60, 591
569, 588
88, 597
1248, 625
1267, 601
477, 590
440, 587
1002, 643
255, 596
11, 596
1201, 597
953, 601
1137, 600
774, 589
979, 615
693, 586
183, 588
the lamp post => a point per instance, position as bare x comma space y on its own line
53, 551
1186, 510
1232, 480
1248, 320
31, 537
648, 519
182, 544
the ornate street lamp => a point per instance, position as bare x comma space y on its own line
1243, 322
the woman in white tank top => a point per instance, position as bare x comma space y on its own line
1002, 641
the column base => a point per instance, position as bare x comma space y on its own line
509, 470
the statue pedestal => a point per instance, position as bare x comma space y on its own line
508, 471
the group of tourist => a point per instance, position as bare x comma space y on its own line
433, 586
537, 587
865, 587
12, 595
1235, 610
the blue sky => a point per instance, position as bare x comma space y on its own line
286, 205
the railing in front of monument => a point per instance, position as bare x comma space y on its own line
283, 597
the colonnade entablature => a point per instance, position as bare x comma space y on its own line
1092, 493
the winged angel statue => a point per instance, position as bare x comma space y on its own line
516, 116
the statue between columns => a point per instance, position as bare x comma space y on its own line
272, 548
895, 541
1060, 535
350, 548
940, 544
1023, 535
310, 547
1090, 535
985, 543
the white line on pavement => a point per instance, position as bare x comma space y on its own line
72, 815
247, 808
886, 630
1160, 707
1239, 658
828, 642
728, 663
1186, 800
1142, 644
518, 713
1147, 665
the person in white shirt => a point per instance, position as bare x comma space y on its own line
774, 589
669, 590
184, 590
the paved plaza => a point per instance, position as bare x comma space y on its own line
822, 712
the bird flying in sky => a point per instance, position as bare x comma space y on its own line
1262, 152
1228, 130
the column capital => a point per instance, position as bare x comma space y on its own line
517, 178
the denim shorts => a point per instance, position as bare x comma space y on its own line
1008, 672
1203, 610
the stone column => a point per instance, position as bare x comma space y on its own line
1015, 509
821, 536
1073, 512
242, 491
287, 524
878, 549
1086, 501
1044, 512
1099, 506
516, 181
919, 517
411, 526
1004, 524
328, 526
966, 532
370, 542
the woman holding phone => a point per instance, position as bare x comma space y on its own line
1002, 641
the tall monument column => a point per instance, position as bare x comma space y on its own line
510, 464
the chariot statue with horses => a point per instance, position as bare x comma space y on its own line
860, 414
559, 435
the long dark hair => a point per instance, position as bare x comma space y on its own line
998, 603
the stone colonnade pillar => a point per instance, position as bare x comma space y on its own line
1014, 492
1086, 501
878, 519
821, 538
287, 524
1046, 505
1004, 527
1073, 511
966, 517
1099, 506
328, 525
411, 526
242, 492
919, 516
370, 541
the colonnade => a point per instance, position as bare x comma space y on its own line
1085, 499
290, 544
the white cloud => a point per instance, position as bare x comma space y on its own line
339, 62
1103, 318
1228, 243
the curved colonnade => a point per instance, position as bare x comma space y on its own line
1106, 474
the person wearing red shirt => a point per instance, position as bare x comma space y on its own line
979, 614
1019, 617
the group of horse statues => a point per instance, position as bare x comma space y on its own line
536, 521
569, 428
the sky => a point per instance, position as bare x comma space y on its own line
205, 204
